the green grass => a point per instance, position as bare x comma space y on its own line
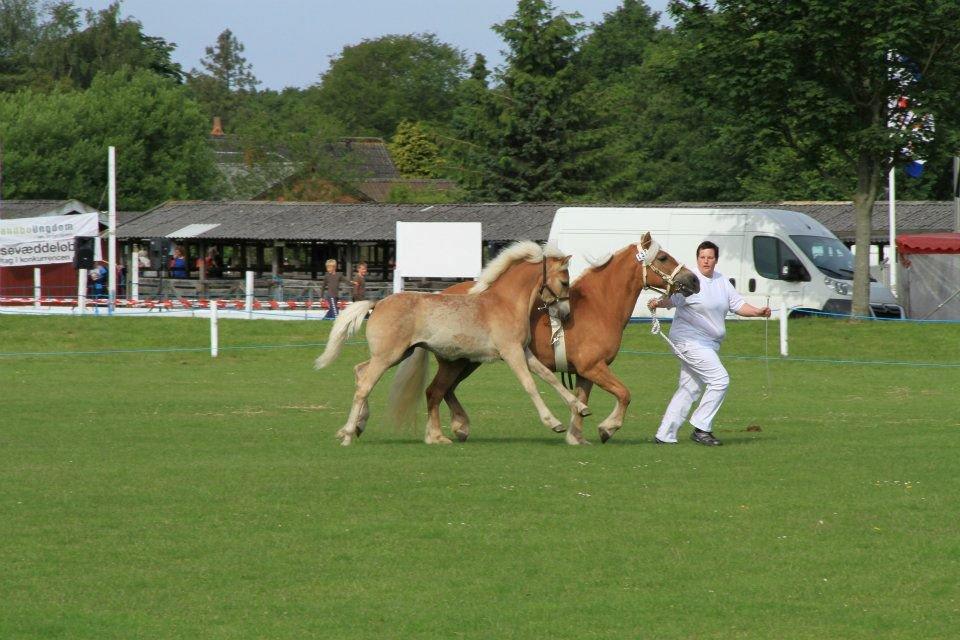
166, 494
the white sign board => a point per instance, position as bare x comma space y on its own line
44, 240
438, 250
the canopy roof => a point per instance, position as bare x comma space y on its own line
928, 243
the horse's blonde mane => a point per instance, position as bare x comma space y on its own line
520, 250
600, 262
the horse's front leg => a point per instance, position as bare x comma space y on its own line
459, 420
514, 356
447, 373
545, 374
604, 378
575, 434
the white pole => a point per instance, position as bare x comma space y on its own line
214, 333
36, 287
892, 249
783, 327
249, 295
956, 194
112, 226
135, 274
81, 291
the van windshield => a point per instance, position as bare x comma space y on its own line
828, 254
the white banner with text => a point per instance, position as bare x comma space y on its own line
45, 240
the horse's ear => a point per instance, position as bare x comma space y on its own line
565, 261
646, 240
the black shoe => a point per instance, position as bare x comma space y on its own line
704, 437
659, 441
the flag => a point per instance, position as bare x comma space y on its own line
914, 168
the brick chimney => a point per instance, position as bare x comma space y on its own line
217, 129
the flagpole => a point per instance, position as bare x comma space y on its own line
956, 194
892, 249
112, 226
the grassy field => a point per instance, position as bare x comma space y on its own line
150, 492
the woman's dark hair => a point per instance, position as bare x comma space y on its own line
706, 244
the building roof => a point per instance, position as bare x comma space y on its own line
262, 220
10, 209
502, 222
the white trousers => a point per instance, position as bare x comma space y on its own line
701, 374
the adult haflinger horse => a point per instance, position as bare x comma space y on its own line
602, 300
491, 323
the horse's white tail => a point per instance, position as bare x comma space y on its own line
346, 324
406, 391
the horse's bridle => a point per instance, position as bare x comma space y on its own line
545, 286
645, 258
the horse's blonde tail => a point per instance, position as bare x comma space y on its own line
346, 324
406, 391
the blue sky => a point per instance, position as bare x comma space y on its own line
289, 42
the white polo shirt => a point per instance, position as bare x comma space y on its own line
699, 317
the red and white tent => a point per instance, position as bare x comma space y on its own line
929, 275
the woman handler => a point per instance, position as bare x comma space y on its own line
697, 331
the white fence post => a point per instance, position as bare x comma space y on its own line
783, 327
214, 331
36, 287
81, 291
135, 275
248, 307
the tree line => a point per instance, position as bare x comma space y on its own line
736, 100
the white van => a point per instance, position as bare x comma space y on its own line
766, 253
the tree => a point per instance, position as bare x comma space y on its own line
530, 117
414, 152
19, 31
55, 143
72, 57
374, 85
228, 81
824, 75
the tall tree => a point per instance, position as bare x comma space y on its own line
72, 56
825, 75
228, 82
19, 32
374, 85
534, 157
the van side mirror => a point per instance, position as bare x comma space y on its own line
793, 271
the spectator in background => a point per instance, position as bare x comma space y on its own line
99, 279
143, 259
178, 263
331, 288
359, 282
213, 264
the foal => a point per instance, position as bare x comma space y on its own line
491, 323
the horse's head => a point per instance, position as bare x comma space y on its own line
555, 288
662, 271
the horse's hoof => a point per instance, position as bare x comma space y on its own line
345, 441
575, 440
606, 434
440, 440
462, 435
559, 427
584, 410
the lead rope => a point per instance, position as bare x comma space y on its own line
655, 330
766, 352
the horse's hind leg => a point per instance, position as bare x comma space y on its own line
365, 409
604, 378
459, 420
446, 377
575, 433
370, 373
